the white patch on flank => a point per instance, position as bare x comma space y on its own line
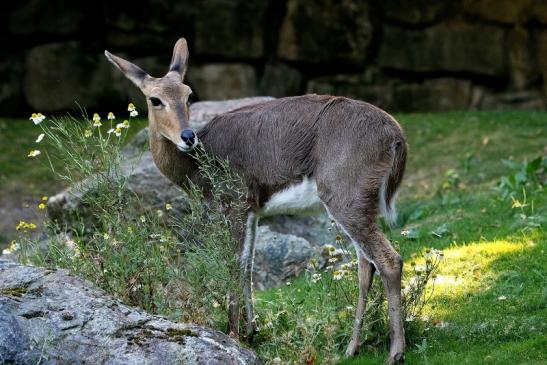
298, 198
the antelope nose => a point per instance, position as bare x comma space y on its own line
188, 136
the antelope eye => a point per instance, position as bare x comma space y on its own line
156, 101
190, 99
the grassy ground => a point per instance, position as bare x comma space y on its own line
489, 306
490, 302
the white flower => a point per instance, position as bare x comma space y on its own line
143, 219
110, 131
338, 275
88, 133
96, 120
131, 107
502, 297
332, 260
118, 132
122, 125
40, 138
111, 116
133, 113
106, 236
37, 118
34, 153
315, 277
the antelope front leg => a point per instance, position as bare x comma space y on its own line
366, 274
247, 259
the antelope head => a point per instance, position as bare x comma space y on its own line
167, 97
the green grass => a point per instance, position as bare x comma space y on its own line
490, 251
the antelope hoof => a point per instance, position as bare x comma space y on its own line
398, 358
352, 349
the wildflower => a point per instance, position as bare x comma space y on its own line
88, 133
332, 260
106, 236
45, 198
216, 304
37, 118
41, 206
143, 219
96, 120
34, 153
13, 247
329, 249
125, 124
338, 275
111, 116
168, 206
405, 233
40, 138
24, 226
502, 297
118, 132
110, 131
289, 283
133, 113
315, 277
328, 268
159, 212
338, 238
131, 107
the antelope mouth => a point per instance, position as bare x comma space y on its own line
187, 146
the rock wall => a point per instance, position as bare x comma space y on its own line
401, 55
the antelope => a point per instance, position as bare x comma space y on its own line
294, 154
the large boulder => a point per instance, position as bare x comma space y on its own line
466, 48
326, 31
52, 317
417, 12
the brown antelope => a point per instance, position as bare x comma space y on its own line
293, 153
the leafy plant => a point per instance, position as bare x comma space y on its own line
526, 178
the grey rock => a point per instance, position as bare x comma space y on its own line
51, 317
479, 49
59, 75
450, 94
280, 80
232, 28
313, 228
418, 12
220, 81
326, 31
279, 257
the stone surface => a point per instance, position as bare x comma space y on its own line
279, 257
450, 94
369, 86
326, 31
280, 79
51, 317
59, 75
313, 228
232, 28
478, 49
220, 81
542, 61
523, 65
502, 11
418, 12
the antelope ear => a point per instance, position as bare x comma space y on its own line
131, 71
179, 61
